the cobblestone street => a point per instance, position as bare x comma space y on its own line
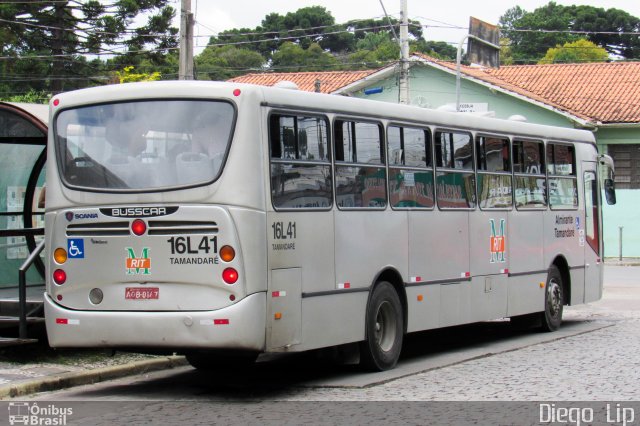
599, 365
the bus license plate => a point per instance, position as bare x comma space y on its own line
142, 293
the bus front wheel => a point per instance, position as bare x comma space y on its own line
551, 318
384, 329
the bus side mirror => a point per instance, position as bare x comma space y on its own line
610, 191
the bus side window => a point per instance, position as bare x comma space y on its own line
530, 185
301, 175
455, 177
361, 178
410, 168
494, 172
563, 187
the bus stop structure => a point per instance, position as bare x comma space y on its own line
23, 140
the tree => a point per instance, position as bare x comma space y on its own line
48, 41
223, 63
127, 75
293, 58
578, 51
437, 49
533, 33
310, 25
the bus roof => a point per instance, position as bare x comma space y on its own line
318, 102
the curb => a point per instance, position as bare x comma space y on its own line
87, 377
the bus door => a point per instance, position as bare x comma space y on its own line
590, 233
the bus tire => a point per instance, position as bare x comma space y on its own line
551, 318
383, 329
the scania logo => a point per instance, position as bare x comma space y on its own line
69, 216
138, 211
85, 216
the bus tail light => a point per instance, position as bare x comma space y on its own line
227, 253
230, 276
59, 276
60, 255
138, 227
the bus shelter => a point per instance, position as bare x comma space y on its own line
23, 139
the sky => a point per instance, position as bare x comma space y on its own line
213, 16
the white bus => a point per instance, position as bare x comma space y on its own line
222, 221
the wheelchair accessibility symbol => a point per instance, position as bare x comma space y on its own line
75, 248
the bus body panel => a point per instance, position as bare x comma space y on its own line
333, 319
594, 265
357, 264
284, 313
489, 295
438, 245
527, 268
240, 326
174, 266
424, 307
249, 226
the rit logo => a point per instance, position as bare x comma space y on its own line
138, 265
497, 242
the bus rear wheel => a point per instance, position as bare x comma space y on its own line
384, 329
551, 318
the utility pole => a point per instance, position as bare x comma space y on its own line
185, 67
404, 54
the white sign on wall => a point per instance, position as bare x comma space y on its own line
471, 107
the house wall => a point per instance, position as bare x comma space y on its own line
432, 88
624, 214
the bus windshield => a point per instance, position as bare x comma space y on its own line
143, 145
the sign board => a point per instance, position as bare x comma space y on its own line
482, 53
470, 107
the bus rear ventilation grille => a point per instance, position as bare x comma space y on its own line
167, 227
98, 229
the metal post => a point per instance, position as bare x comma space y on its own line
22, 289
459, 60
185, 65
620, 243
404, 54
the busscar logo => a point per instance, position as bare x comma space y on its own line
138, 211
25, 413
138, 265
497, 242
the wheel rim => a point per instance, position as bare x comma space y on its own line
554, 298
385, 326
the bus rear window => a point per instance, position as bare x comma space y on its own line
143, 145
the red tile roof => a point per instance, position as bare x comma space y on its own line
330, 81
600, 93
595, 92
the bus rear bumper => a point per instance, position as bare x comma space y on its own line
239, 326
